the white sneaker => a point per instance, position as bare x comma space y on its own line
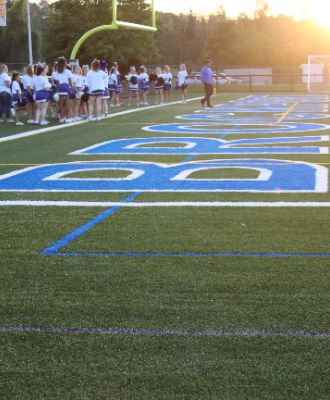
31, 121
19, 123
62, 120
44, 122
98, 118
9, 120
146, 104
90, 119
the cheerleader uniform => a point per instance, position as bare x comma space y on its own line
182, 81
119, 85
28, 88
16, 93
133, 82
106, 93
159, 84
144, 81
95, 83
78, 81
63, 82
167, 81
112, 83
41, 83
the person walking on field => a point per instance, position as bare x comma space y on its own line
207, 81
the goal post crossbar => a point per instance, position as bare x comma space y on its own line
115, 25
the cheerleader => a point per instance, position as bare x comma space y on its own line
95, 83
133, 86
84, 102
5, 93
63, 83
182, 82
167, 83
29, 92
76, 92
159, 86
53, 96
42, 88
143, 80
114, 86
106, 93
119, 90
17, 95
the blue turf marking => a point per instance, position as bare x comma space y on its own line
55, 247
225, 254
189, 158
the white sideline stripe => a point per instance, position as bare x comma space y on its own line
63, 126
37, 203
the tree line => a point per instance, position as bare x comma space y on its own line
258, 41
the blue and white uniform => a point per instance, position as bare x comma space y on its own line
133, 82
144, 81
16, 93
106, 93
167, 80
182, 79
159, 84
114, 85
63, 79
28, 87
41, 83
95, 82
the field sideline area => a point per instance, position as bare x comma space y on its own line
168, 252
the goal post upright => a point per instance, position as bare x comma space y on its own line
115, 25
318, 73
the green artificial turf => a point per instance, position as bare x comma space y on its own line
231, 294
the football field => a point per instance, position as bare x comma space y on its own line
168, 252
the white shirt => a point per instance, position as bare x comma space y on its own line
62, 77
132, 85
113, 79
167, 77
144, 77
27, 81
78, 80
95, 80
4, 82
105, 79
15, 88
182, 78
41, 82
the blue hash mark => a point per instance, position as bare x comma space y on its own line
55, 247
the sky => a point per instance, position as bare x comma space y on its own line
316, 9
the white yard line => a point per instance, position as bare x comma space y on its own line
106, 204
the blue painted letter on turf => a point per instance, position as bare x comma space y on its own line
271, 176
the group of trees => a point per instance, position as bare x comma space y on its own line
261, 40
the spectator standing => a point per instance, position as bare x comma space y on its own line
207, 81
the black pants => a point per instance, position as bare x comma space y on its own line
5, 104
208, 87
